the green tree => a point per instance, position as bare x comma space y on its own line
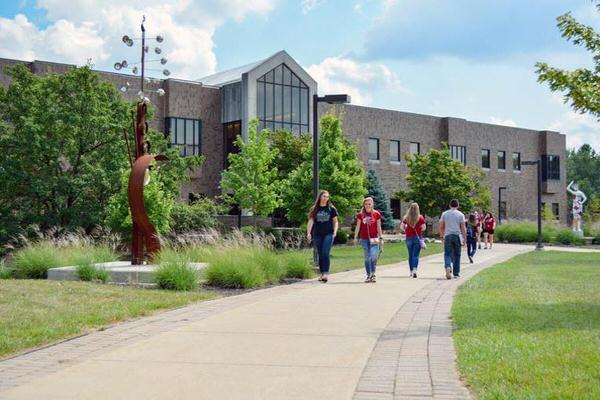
290, 150
583, 167
434, 179
252, 175
481, 195
62, 148
380, 198
341, 173
580, 86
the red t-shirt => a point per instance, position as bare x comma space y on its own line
370, 220
488, 223
412, 232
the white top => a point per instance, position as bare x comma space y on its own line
452, 219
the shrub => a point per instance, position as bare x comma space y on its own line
196, 216
297, 266
33, 262
176, 274
287, 238
341, 237
520, 232
567, 236
91, 273
5, 273
270, 263
249, 230
231, 269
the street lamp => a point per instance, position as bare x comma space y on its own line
540, 244
330, 99
500, 189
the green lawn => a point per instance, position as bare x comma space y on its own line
38, 312
346, 258
530, 328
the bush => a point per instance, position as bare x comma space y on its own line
196, 216
287, 238
5, 273
91, 273
176, 274
567, 236
271, 265
297, 266
234, 269
33, 262
249, 230
341, 237
520, 232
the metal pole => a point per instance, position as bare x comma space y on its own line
499, 205
540, 244
315, 146
143, 51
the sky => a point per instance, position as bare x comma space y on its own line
468, 59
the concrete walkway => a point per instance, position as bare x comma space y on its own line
340, 340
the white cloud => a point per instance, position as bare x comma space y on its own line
501, 121
308, 5
579, 128
359, 80
91, 29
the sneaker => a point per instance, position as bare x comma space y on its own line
368, 279
414, 274
412, 271
456, 276
373, 279
479, 247
471, 259
448, 273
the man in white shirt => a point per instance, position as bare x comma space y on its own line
452, 226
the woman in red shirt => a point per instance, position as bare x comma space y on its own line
413, 225
368, 224
489, 226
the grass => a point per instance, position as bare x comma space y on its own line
175, 273
530, 328
35, 313
526, 232
90, 273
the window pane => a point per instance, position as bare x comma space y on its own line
268, 102
279, 74
260, 100
304, 106
287, 76
517, 161
501, 160
295, 105
415, 148
180, 131
189, 131
485, 158
278, 99
295, 80
394, 150
373, 149
303, 128
296, 129
269, 76
287, 104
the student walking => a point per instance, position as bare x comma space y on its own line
413, 225
321, 229
452, 226
368, 224
479, 220
472, 234
489, 226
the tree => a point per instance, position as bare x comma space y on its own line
583, 167
434, 179
580, 85
62, 148
290, 150
252, 176
381, 199
341, 173
481, 195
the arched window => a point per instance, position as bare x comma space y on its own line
282, 101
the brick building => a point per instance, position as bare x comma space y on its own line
206, 115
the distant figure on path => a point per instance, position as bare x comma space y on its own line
489, 226
452, 226
321, 229
472, 234
368, 224
413, 224
479, 219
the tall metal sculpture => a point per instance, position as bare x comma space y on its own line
143, 231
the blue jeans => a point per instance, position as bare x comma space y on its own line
414, 249
452, 253
371, 252
323, 245
471, 246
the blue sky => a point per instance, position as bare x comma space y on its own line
462, 58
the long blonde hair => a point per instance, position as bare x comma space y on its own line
413, 214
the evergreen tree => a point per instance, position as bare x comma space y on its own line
381, 199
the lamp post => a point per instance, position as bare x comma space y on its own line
540, 244
500, 189
330, 99
143, 231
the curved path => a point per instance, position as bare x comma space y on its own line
341, 340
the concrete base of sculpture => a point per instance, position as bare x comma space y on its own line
121, 272
578, 233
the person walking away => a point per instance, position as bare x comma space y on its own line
479, 220
321, 229
472, 233
413, 225
489, 226
452, 226
368, 224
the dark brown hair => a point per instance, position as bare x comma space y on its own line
312, 213
454, 203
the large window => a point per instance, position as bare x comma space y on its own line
395, 207
231, 131
556, 210
415, 148
502, 160
516, 161
458, 153
373, 149
485, 158
185, 133
550, 167
394, 150
282, 101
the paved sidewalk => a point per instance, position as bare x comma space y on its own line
338, 340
